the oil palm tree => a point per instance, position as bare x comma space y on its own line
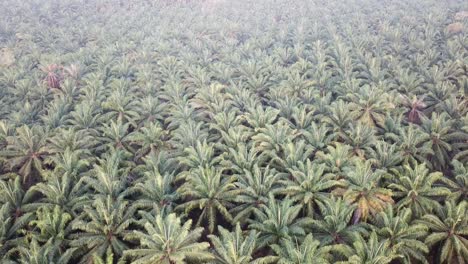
86, 117
286, 105
52, 229
165, 240
57, 113
232, 112
276, 220
361, 138
296, 83
242, 157
364, 191
154, 187
270, 139
410, 144
181, 113
121, 105
151, 109
148, 138
209, 191
337, 158
9, 239
102, 226
35, 253
254, 187
163, 162
334, 225
243, 99
235, 136
107, 259
447, 232
458, 184
109, 177
391, 129
256, 77
302, 117
19, 207
69, 163
69, 138
26, 152
308, 184
415, 188
210, 100
371, 251
369, 105
201, 154
115, 136
318, 136
291, 155
408, 81
439, 139
462, 149
385, 156
223, 122
415, 108
259, 117
60, 190
295, 252
233, 247
403, 234
338, 117
189, 133
6, 130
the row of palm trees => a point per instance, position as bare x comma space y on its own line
240, 132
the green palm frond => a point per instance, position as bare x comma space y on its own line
26, 151
210, 192
102, 227
369, 251
166, 240
277, 220
415, 188
447, 232
458, 183
334, 225
309, 184
403, 234
364, 191
254, 188
233, 247
307, 251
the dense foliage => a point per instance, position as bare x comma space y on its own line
235, 132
